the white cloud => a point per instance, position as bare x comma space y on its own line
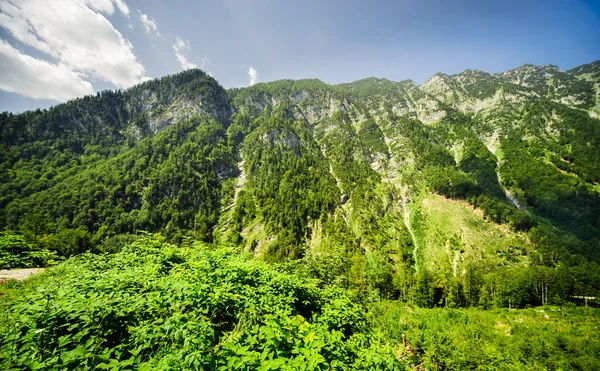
35, 78
253, 75
179, 47
122, 6
149, 24
204, 66
106, 6
78, 37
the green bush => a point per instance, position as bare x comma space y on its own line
542, 338
15, 252
156, 306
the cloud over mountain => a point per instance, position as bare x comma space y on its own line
76, 40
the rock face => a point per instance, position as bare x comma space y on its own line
160, 104
324, 161
394, 133
142, 110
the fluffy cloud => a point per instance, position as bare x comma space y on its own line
80, 40
180, 46
35, 78
106, 6
253, 75
149, 24
122, 6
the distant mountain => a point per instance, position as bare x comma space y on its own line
446, 187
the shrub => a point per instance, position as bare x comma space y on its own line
157, 306
15, 252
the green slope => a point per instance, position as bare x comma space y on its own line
403, 184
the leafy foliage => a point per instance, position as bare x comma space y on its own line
157, 306
15, 252
548, 338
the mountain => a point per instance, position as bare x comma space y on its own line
301, 225
431, 191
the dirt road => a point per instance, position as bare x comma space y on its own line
18, 274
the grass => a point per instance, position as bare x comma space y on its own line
443, 226
543, 338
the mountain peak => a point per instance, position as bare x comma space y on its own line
589, 71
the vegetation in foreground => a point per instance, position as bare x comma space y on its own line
540, 338
156, 306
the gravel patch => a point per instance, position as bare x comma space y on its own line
18, 274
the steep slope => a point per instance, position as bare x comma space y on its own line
381, 156
152, 158
551, 83
375, 184
170, 182
144, 109
591, 73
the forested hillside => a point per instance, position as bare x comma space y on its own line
471, 190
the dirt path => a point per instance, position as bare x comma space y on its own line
18, 274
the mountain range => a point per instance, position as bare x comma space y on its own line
436, 192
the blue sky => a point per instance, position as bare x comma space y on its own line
55, 50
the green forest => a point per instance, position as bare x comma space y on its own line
298, 225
